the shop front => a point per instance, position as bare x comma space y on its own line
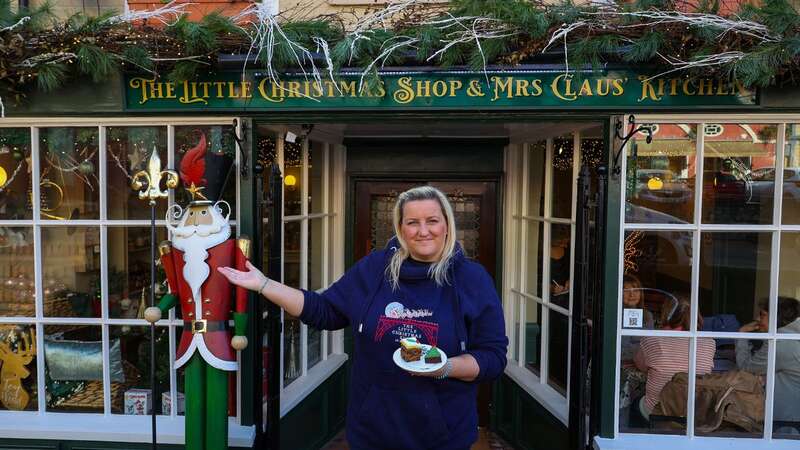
563, 185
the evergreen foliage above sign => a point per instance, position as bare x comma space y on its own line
756, 45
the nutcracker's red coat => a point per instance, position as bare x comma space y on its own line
215, 304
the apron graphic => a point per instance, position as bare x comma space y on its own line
402, 323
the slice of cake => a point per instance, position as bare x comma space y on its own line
433, 356
410, 349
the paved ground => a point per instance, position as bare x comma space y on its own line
486, 441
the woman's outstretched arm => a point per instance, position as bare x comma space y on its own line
288, 298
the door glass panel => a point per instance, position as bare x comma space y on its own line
660, 179
563, 156
292, 179
533, 336
739, 174
558, 351
467, 211
791, 175
537, 158
381, 223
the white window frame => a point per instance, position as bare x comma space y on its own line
517, 296
633, 440
333, 261
83, 426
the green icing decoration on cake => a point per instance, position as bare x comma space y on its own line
433, 355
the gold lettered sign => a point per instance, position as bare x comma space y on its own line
442, 90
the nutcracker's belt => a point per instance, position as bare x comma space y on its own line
201, 326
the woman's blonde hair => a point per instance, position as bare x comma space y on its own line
438, 270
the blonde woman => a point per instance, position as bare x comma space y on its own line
421, 285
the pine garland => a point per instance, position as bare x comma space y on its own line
758, 45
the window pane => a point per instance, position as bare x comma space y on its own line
785, 415
791, 175
558, 351
533, 336
220, 151
316, 168
316, 263
130, 368
314, 346
563, 154
68, 183
660, 179
71, 271
789, 279
560, 245
739, 174
291, 349
291, 253
739, 367
15, 174
653, 388
292, 178
17, 293
536, 166
129, 270
658, 271
129, 151
533, 256
18, 358
734, 277
74, 368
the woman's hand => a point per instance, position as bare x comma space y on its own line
750, 327
252, 280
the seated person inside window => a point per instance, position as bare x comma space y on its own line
660, 358
633, 298
752, 357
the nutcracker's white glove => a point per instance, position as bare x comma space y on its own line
152, 314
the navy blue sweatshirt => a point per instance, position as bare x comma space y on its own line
388, 408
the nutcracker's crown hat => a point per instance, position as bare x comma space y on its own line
204, 174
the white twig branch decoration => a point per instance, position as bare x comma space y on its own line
172, 10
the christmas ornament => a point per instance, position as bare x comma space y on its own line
3, 176
86, 168
18, 155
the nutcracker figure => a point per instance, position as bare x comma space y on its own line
200, 242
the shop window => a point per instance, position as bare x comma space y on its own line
702, 283
542, 294
15, 174
791, 175
307, 258
661, 176
73, 338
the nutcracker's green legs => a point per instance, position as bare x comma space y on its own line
206, 406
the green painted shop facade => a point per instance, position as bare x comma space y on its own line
320, 160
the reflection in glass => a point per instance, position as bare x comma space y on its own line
563, 155
314, 346
533, 256
17, 290
68, 181
130, 354
291, 253
316, 169
292, 178
219, 144
74, 368
730, 401
291, 349
15, 174
660, 178
533, 336
18, 367
558, 351
316, 262
560, 263
739, 174
789, 278
734, 274
129, 150
791, 175
71, 271
536, 166
658, 270
129, 270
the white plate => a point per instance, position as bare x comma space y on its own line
419, 366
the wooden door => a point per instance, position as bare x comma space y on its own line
475, 208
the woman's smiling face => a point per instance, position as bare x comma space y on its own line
424, 229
